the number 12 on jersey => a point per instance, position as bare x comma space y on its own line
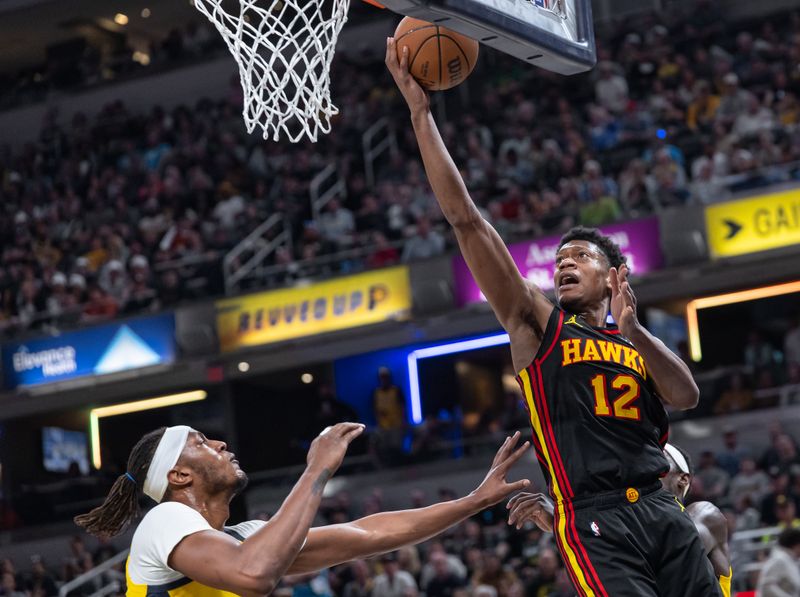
622, 406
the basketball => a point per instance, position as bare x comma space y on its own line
438, 58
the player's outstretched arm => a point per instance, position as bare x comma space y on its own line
509, 294
672, 378
388, 531
255, 566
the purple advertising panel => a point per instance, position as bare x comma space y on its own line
639, 241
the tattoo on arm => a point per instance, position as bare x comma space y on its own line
319, 484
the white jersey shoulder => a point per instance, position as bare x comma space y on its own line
161, 529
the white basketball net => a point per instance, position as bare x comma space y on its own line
284, 50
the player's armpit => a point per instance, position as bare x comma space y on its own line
217, 560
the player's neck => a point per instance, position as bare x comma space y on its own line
595, 315
215, 509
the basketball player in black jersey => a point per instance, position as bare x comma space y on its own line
594, 392
707, 518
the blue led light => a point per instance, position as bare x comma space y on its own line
439, 350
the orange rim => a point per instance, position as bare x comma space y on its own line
374, 3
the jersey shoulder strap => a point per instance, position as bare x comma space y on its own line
551, 333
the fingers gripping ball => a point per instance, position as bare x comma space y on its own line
438, 58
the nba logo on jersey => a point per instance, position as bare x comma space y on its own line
595, 529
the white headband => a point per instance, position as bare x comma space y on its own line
167, 453
680, 462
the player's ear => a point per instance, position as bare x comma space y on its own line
180, 477
684, 482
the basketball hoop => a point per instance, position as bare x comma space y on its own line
284, 50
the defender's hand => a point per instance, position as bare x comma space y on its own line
416, 97
623, 301
494, 486
533, 507
328, 449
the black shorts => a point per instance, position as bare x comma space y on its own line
633, 543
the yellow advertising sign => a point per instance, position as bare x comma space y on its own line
756, 224
339, 304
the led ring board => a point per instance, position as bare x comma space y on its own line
557, 35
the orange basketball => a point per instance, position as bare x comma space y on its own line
438, 58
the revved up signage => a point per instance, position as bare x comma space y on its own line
338, 304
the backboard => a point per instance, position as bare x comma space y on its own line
557, 35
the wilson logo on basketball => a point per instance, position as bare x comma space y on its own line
455, 70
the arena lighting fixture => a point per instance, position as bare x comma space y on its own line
306, 378
131, 407
439, 350
145, 13
121, 19
728, 299
244, 366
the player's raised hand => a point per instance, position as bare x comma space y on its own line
328, 449
623, 301
533, 507
416, 97
495, 487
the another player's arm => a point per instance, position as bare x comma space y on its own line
388, 531
255, 566
671, 376
487, 256
712, 527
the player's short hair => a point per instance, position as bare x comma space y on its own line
789, 538
688, 458
609, 248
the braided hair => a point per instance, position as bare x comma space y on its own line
121, 505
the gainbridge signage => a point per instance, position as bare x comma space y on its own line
338, 304
754, 224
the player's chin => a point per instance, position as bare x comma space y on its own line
241, 481
569, 297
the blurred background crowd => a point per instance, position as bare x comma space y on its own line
129, 212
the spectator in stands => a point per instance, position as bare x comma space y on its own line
40, 582
337, 224
780, 575
706, 186
494, 574
9, 586
702, 110
714, 479
393, 582
787, 459
545, 577
736, 397
749, 483
99, 307
791, 345
444, 581
362, 583
779, 486
389, 409
611, 88
733, 100
786, 511
754, 119
729, 458
424, 244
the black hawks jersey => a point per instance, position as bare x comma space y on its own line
597, 422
